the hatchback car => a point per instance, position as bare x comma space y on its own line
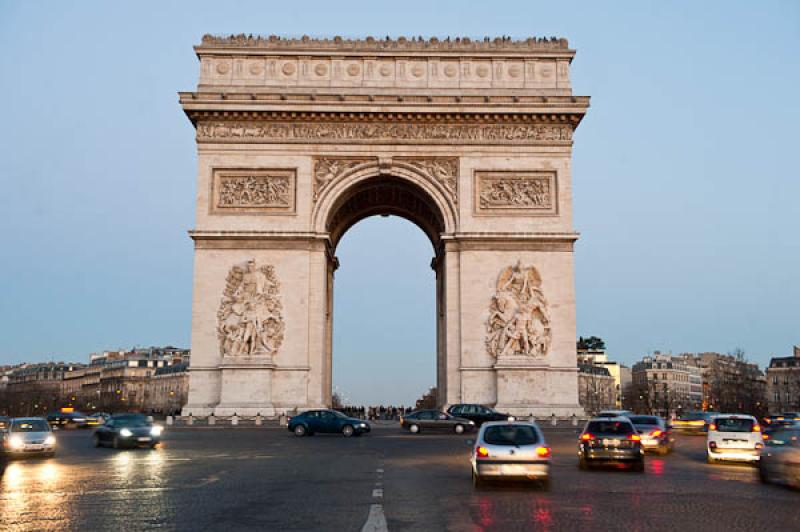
780, 458
655, 432
420, 420
29, 436
734, 437
478, 413
610, 441
326, 421
127, 430
510, 451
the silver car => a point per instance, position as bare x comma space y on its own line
29, 435
780, 458
512, 451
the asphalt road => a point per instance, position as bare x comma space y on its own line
267, 479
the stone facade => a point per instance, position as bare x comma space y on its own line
299, 139
666, 384
783, 383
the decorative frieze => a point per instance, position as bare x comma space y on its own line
253, 191
382, 133
519, 321
512, 192
249, 320
442, 170
328, 169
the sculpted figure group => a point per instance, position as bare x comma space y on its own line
249, 320
519, 323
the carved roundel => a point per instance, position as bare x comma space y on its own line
450, 71
288, 69
418, 71
353, 69
385, 70
514, 71
256, 69
321, 69
223, 68
483, 71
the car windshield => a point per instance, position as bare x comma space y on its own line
644, 420
609, 427
731, 424
131, 421
30, 425
510, 435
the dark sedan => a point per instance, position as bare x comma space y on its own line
127, 430
67, 420
435, 420
478, 413
326, 421
610, 441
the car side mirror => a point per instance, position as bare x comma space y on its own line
469, 443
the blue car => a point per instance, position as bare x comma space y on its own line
326, 421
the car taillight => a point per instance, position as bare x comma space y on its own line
634, 437
756, 428
483, 452
712, 445
543, 452
656, 433
712, 427
759, 445
765, 436
586, 436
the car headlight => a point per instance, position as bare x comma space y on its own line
156, 430
471, 422
125, 433
50, 440
512, 418
15, 442
362, 425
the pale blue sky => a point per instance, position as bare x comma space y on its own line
685, 177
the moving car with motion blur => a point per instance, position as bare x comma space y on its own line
510, 450
29, 436
779, 462
327, 422
655, 432
96, 419
127, 430
770, 427
67, 420
693, 422
416, 422
478, 413
610, 441
4, 422
735, 437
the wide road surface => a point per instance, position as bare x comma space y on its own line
205, 479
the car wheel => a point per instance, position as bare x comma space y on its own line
300, 431
347, 431
413, 429
96, 440
639, 466
459, 429
115, 442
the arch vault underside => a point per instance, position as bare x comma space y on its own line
298, 140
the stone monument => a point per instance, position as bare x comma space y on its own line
299, 139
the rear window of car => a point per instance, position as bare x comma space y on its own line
34, 425
644, 420
609, 427
511, 435
729, 424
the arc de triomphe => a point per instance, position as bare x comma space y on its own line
299, 139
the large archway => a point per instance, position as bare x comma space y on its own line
300, 139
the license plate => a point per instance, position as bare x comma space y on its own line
611, 443
34, 447
513, 469
144, 439
734, 441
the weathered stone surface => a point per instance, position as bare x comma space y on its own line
470, 140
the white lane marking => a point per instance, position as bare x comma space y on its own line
376, 521
377, 493
380, 471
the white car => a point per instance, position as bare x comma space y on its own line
29, 435
510, 450
734, 437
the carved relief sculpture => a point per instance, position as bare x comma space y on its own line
512, 192
519, 321
443, 170
249, 320
253, 191
328, 169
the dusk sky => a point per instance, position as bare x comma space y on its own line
686, 182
